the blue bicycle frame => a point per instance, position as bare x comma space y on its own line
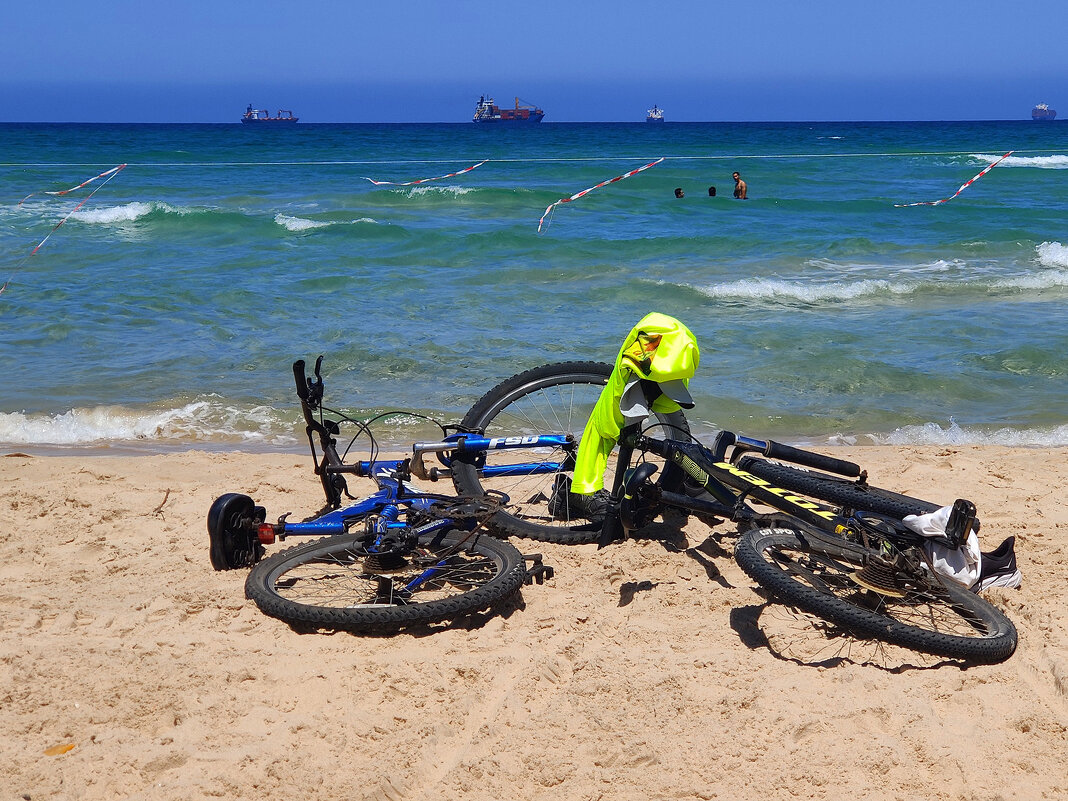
383, 511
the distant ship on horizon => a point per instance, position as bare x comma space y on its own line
1043, 112
262, 115
654, 114
488, 111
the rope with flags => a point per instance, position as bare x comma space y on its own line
110, 172
109, 175
425, 180
577, 195
964, 186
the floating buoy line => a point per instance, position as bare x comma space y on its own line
107, 175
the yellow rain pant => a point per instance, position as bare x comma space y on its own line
659, 348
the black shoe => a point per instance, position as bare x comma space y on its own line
567, 505
998, 568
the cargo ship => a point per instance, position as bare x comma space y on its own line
488, 111
654, 114
262, 115
1043, 112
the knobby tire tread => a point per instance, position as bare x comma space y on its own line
994, 644
530, 382
507, 581
836, 490
465, 475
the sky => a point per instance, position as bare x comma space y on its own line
580, 60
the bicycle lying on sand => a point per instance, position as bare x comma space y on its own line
398, 557
831, 544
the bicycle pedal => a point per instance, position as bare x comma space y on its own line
961, 522
539, 571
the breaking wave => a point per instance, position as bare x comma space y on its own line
953, 434
299, 223
197, 422
1052, 254
303, 224
456, 191
777, 289
906, 281
125, 213
1057, 162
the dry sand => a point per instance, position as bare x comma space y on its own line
642, 671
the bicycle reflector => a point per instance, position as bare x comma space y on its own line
265, 533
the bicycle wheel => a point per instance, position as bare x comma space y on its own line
817, 576
836, 490
332, 582
552, 399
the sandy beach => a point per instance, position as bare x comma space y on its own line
646, 670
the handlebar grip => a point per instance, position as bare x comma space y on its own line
776, 450
301, 378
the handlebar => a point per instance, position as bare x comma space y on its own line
787, 453
301, 378
330, 466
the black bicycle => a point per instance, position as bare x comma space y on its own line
814, 533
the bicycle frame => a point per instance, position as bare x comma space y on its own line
632, 493
393, 496
730, 486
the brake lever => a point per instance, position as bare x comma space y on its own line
315, 388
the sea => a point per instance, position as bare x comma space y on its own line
168, 301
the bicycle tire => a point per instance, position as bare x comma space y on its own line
327, 583
551, 399
815, 575
836, 490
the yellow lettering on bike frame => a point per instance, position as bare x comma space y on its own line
786, 495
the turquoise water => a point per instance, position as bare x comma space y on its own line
166, 311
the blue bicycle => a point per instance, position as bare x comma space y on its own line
398, 557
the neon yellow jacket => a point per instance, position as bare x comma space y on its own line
659, 348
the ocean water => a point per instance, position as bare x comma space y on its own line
167, 310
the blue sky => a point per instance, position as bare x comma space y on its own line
420, 61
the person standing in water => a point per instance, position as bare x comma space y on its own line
741, 190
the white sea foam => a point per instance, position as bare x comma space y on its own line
805, 292
1052, 254
303, 224
299, 223
125, 213
901, 281
442, 190
201, 421
1057, 162
938, 266
1046, 279
953, 434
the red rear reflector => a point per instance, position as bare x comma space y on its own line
265, 532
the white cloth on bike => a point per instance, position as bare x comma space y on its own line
963, 564
634, 406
